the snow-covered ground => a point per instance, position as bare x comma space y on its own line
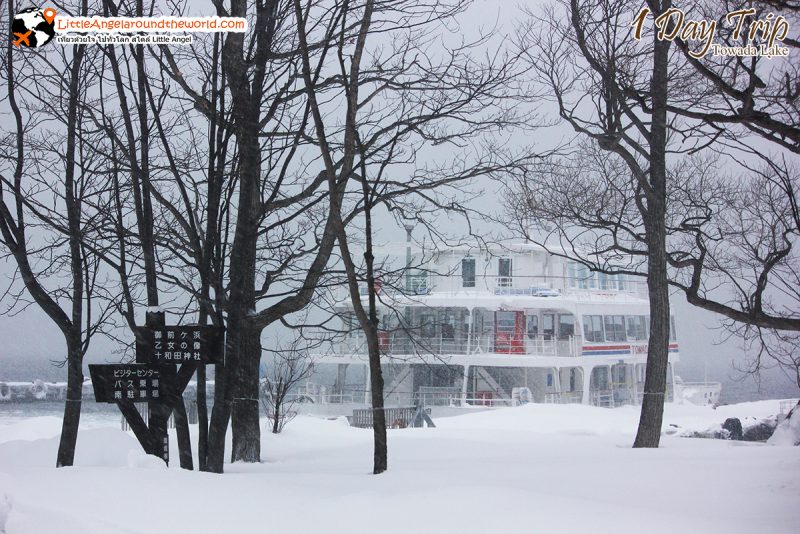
536, 468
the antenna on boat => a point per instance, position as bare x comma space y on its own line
409, 227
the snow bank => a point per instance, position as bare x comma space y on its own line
31, 429
5, 501
536, 468
101, 447
788, 432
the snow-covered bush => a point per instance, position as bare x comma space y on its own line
788, 432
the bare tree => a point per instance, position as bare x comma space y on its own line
45, 225
729, 237
281, 240
394, 104
290, 366
739, 95
735, 102
589, 89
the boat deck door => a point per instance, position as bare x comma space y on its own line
509, 334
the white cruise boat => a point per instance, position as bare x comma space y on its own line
495, 327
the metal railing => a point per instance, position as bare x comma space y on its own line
602, 397
564, 397
401, 417
516, 285
402, 343
438, 396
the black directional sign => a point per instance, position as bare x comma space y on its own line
180, 344
131, 382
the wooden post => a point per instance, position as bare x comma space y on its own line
181, 420
158, 410
139, 427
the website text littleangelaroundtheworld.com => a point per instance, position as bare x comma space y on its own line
65, 24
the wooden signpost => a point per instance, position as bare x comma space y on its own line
133, 382
180, 344
124, 384
155, 379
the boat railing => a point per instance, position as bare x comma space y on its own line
438, 396
490, 402
516, 285
563, 397
603, 397
405, 343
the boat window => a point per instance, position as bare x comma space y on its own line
599, 378
448, 326
504, 272
603, 281
477, 324
549, 380
427, 325
533, 326
637, 328
593, 328
548, 325
468, 272
506, 322
566, 326
621, 282
621, 374
578, 274
585, 278
615, 327
582, 278
350, 324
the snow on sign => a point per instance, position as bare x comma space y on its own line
180, 344
132, 382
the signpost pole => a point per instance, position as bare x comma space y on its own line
140, 430
159, 412
182, 422
123, 384
156, 379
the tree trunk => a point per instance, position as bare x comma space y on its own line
243, 345
276, 414
72, 406
650, 419
245, 426
380, 454
652, 414
243, 348
220, 415
202, 418
73, 335
182, 430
